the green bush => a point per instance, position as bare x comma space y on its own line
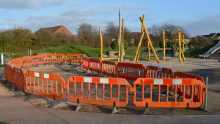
114, 44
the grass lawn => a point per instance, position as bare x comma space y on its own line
95, 52
89, 51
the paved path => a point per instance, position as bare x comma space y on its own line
15, 110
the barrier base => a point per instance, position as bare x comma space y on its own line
78, 107
53, 103
19, 93
146, 111
115, 110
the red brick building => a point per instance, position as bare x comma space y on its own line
57, 30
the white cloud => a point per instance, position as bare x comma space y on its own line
18, 4
204, 26
30, 4
201, 26
46, 3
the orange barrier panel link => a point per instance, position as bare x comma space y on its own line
95, 65
155, 72
18, 78
109, 68
98, 91
42, 84
186, 75
15, 76
8, 72
55, 58
162, 93
27, 61
17, 62
74, 58
130, 71
39, 59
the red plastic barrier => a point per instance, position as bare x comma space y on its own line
130, 71
98, 91
187, 75
95, 65
109, 68
85, 63
155, 72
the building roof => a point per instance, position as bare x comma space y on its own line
51, 29
212, 35
55, 29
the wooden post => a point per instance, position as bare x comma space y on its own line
138, 48
164, 46
101, 44
180, 47
119, 46
183, 47
149, 40
123, 40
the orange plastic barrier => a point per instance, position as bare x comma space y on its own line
98, 91
8, 73
155, 72
39, 59
42, 84
15, 76
159, 89
27, 61
18, 78
55, 58
17, 62
109, 68
163, 93
187, 75
130, 71
95, 65
74, 58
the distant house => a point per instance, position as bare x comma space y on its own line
57, 30
215, 36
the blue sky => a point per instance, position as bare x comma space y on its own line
196, 16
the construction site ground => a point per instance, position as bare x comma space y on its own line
16, 107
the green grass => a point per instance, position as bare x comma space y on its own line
197, 51
95, 52
65, 49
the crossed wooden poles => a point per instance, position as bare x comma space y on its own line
144, 31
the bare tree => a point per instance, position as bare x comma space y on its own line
88, 35
154, 30
172, 31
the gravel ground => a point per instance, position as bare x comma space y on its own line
203, 67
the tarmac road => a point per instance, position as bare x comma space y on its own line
16, 111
